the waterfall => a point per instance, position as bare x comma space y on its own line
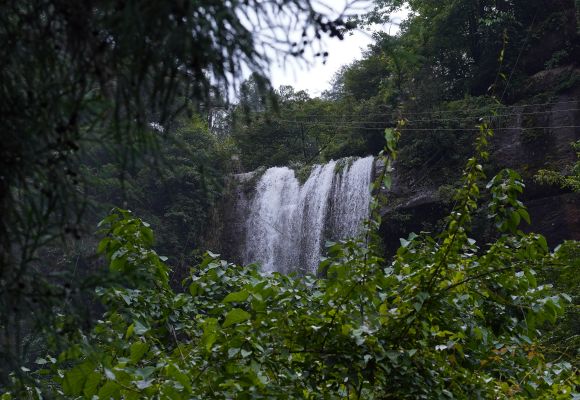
311, 214
287, 222
270, 225
351, 199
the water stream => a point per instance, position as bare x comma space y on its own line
288, 223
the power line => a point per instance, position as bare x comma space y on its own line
467, 110
497, 116
495, 129
351, 125
501, 107
309, 118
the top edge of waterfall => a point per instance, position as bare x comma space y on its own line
247, 176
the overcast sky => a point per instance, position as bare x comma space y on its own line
315, 77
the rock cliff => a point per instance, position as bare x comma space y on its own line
534, 137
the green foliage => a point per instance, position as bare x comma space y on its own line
82, 83
291, 128
446, 52
106, 74
283, 131
569, 179
302, 172
563, 342
455, 45
445, 318
176, 191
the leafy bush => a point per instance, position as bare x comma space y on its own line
445, 318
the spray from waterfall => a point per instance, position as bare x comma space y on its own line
288, 223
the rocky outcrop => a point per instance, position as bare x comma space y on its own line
533, 138
227, 235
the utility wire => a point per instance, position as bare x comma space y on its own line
467, 110
495, 129
339, 124
310, 119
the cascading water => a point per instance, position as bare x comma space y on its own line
311, 214
288, 223
270, 227
351, 199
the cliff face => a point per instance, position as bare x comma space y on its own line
227, 234
533, 138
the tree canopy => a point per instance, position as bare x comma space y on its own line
78, 75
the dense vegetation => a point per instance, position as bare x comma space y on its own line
445, 318
106, 78
109, 104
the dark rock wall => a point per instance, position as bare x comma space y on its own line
534, 138
228, 230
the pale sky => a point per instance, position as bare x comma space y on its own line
314, 76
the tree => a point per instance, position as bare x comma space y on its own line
459, 42
111, 73
176, 190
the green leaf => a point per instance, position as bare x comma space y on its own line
118, 264
209, 336
525, 215
393, 355
103, 245
387, 181
144, 373
140, 328
233, 351
138, 349
109, 390
514, 220
391, 139
74, 381
235, 316
91, 384
109, 374
236, 297
130, 331
126, 298
566, 297
194, 289
175, 373
147, 236
143, 384
212, 255
542, 241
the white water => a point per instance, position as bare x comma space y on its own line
350, 201
288, 223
